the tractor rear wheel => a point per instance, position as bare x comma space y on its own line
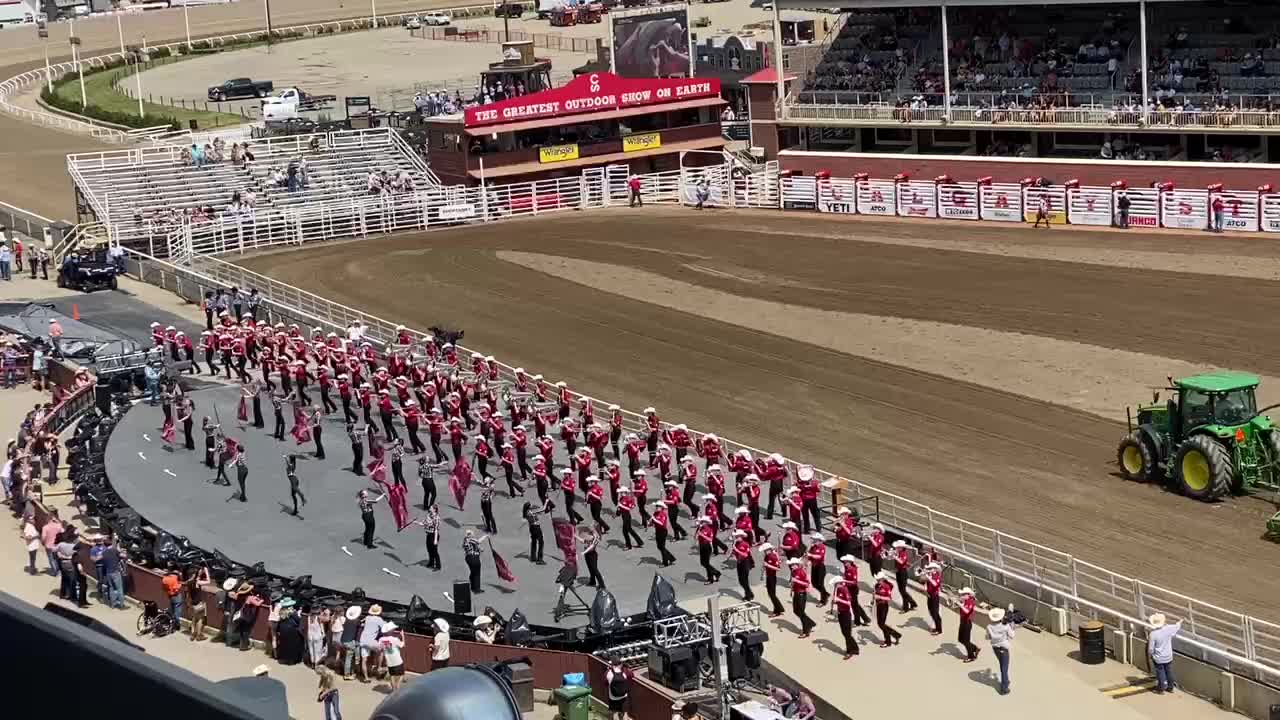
1137, 461
1203, 468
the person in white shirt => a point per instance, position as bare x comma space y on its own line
392, 642
486, 630
440, 645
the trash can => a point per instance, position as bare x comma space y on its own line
573, 703
1093, 643
522, 684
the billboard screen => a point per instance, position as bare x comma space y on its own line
652, 45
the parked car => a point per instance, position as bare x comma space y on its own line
238, 88
290, 102
436, 18
509, 10
413, 23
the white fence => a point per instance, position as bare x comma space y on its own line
1227, 639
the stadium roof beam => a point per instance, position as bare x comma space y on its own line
942, 5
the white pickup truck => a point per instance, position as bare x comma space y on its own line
290, 103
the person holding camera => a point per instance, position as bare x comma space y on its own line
1160, 646
1000, 635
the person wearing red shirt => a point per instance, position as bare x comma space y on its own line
540, 478
689, 476
640, 490
968, 604
791, 543
435, 432
507, 460
846, 530
664, 462
615, 430
597, 439
209, 344
794, 506
385, 409
850, 576
706, 539
932, 577
772, 563
546, 447
710, 512
520, 441
843, 608
817, 555
586, 415
744, 563
633, 449
569, 435
875, 553
457, 436
564, 401
654, 427
715, 486
752, 492
613, 474
800, 596
883, 593
902, 566
708, 448
660, 528
482, 452
672, 499
188, 351
626, 504
743, 521
808, 485
595, 501
412, 415
774, 470
581, 463
567, 485
1218, 208
678, 437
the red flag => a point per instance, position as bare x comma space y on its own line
378, 471
459, 482
168, 432
504, 570
242, 412
566, 539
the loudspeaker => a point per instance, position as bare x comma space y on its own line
102, 396
675, 668
462, 597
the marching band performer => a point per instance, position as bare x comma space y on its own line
850, 575
808, 489
772, 563
532, 515
615, 430
672, 500
842, 607
817, 555
846, 531
967, 607
595, 502
744, 563
883, 593
875, 554
932, 577
706, 539
660, 528
654, 427
775, 472
567, 485
627, 503
902, 564
791, 543
640, 491
800, 596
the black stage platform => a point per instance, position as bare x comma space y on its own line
172, 489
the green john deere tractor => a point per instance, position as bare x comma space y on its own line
1209, 439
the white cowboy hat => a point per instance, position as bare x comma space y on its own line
659, 504
624, 490
649, 410
560, 384
390, 627
882, 575
1157, 620
788, 525
353, 612
441, 624
843, 511
793, 561
714, 467
899, 543
996, 614
775, 457
877, 526
766, 546
805, 472
482, 620
708, 496
229, 584
614, 407
933, 566
741, 511
848, 558
966, 591
261, 670
682, 426
638, 474
704, 519
520, 371
739, 533
744, 454
375, 610
815, 536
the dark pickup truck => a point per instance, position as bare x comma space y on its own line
240, 88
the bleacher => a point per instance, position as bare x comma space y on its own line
869, 54
145, 194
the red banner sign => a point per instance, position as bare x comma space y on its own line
592, 93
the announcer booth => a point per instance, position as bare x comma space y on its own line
595, 120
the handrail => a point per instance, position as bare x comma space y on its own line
975, 544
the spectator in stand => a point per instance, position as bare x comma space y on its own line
49, 538
31, 537
6, 260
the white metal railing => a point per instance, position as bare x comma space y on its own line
1227, 639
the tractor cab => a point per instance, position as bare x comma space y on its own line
1208, 438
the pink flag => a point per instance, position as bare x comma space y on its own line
566, 539
378, 471
168, 432
459, 482
242, 412
499, 564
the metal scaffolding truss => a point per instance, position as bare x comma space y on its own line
681, 630
743, 617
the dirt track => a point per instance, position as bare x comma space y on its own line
1033, 468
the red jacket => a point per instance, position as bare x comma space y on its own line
567, 484
772, 561
706, 534
595, 493
639, 486
626, 503
933, 583
799, 580
817, 554
851, 572
967, 606
790, 541
884, 592
742, 550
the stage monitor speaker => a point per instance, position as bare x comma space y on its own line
102, 396
462, 597
675, 668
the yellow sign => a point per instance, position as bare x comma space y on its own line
557, 153
647, 141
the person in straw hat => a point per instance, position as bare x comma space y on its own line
1000, 635
1160, 646
968, 605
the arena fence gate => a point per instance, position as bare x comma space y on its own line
1229, 640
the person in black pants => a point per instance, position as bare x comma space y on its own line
185, 412
487, 492
659, 521
291, 472
843, 608
277, 406
431, 524
397, 462
427, 476
627, 503
357, 448
706, 538
566, 484
471, 551
242, 471
257, 406
673, 516
220, 449
316, 420
591, 539
533, 516
366, 502
800, 596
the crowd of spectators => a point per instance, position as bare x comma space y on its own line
441, 102
384, 183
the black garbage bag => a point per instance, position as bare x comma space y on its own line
662, 599
166, 549
604, 613
517, 630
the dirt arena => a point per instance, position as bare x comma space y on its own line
781, 331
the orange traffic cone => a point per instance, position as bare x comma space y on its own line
75, 311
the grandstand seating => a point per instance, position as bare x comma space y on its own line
149, 198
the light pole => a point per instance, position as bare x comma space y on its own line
186, 20
137, 74
120, 33
373, 10
75, 59
267, 6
